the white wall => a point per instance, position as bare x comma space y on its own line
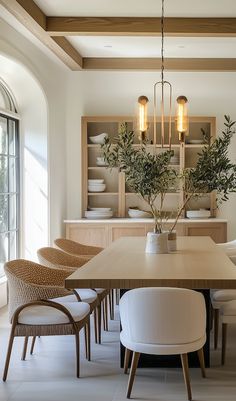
39, 87
115, 93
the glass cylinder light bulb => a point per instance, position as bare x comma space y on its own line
142, 121
182, 115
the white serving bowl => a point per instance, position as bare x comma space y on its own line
198, 214
97, 188
100, 209
138, 214
100, 161
96, 181
98, 139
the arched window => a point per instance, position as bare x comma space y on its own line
9, 178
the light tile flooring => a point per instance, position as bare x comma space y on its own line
49, 375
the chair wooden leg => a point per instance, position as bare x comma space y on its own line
126, 360
224, 338
216, 327
117, 296
99, 316
85, 342
24, 348
95, 325
105, 314
201, 361
8, 357
132, 372
32, 345
184, 361
88, 339
111, 304
77, 346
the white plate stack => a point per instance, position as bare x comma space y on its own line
96, 213
96, 185
198, 214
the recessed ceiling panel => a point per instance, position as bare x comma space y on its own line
138, 8
122, 46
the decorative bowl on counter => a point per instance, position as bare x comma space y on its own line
98, 139
198, 214
135, 213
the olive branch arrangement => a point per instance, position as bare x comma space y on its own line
151, 176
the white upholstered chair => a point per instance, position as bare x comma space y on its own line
220, 297
228, 316
162, 321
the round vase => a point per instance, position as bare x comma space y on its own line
157, 243
172, 242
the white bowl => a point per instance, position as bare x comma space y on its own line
138, 214
198, 214
100, 209
100, 161
98, 139
97, 188
95, 181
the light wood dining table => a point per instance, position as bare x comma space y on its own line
197, 264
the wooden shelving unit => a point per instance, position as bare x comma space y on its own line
117, 195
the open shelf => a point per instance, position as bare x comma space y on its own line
117, 195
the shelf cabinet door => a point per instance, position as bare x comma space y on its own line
218, 232
123, 231
89, 234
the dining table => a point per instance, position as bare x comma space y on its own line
198, 263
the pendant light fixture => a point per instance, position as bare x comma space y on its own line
165, 88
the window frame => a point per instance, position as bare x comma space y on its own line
11, 116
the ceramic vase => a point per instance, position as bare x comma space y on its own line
157, 243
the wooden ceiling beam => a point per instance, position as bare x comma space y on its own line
121, 26
171, 64
30, 15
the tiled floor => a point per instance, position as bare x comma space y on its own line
49, 375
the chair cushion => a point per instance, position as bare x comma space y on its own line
228, 312
43, 315
67, 298
162, 349
87, 295
224, 295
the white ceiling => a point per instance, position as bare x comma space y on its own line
122, 46
138, 8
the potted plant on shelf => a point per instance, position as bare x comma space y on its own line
214, 170
147, 174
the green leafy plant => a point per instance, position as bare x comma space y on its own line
214, 170
149, 175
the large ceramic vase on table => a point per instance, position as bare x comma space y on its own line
157, 242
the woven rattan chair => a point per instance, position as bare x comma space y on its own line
87, 251
75, 248
33, 310
55, 258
